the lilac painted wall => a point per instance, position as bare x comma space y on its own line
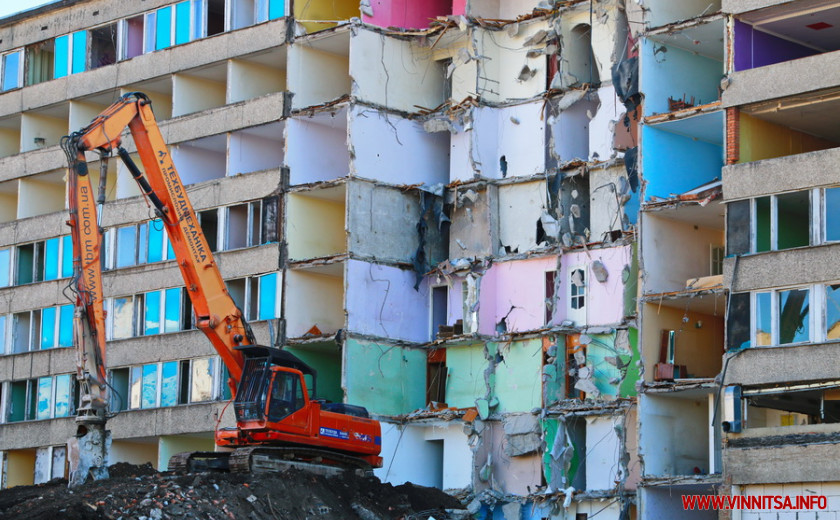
409, 14
756, 49
381, 301
521, 284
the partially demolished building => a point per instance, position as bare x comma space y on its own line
498, 225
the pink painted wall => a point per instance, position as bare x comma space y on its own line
381, 301
459, 7
521, 284
408, 14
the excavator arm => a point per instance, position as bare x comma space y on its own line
215, 311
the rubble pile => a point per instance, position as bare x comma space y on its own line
140, 493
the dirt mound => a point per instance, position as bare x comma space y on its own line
134, 494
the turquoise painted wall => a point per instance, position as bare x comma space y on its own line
385, 379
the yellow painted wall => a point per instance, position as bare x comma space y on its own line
763, 140
307, 13
20, 468
700, 350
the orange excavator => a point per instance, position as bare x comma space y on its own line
276, 420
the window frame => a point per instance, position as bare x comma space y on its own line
816, 320
20, 75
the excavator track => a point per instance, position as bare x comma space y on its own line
263, 459
280, 458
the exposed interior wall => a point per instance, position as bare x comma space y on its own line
658, 168
519, 296
608, 214
249, 80
507, 474
126, 185
315, 223
373, 55
754, 48
503, 140
20, 468
409, 457
406, 13
326, 359
161, 97
319, 70
606, 122
666, 503
316, 15
385, 379
40, 131
474, 230
674, 434
396, 150
40, 195
169, 445
457, 454
669, 71
195, 93
518, 371
454, 59
612, 366
382, 301
326, 311
505, 72
570, 130
663, 12
133, 452
602, 46
667, 268
255, 149
520, 208
200, 160
602, 449
317, 147
82, 113
465, 367
759, 139
10, 138
699, 349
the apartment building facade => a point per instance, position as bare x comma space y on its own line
499, 226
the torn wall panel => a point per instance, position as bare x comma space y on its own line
504, 140
612, 365
609, 207
570, 127
382, 223
474, 231
385, 379
663, 12
520, 208
317, 147
514, 475
505, 72
603, 124
420, 81
396, 150
381, 301
595, 39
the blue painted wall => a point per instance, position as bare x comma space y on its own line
674, 164
674, 73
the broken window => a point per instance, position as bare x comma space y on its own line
738, 321
103, 46
782, 317
575, 359
783, 406
30, 263
716, 254
440, 308
209, 221
118, 389
39, 62
26, 331
12, 67
576, 310
737, 227
132, 37
244, 225
831, 206
215, 22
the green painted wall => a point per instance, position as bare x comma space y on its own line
615, 370
519, 376
385, 379
627, 388
554, 374
326, 359
465, 382
630, 277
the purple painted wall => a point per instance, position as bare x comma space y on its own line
409, 14
756, 49
381, 301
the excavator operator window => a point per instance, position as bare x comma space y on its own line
286, 396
